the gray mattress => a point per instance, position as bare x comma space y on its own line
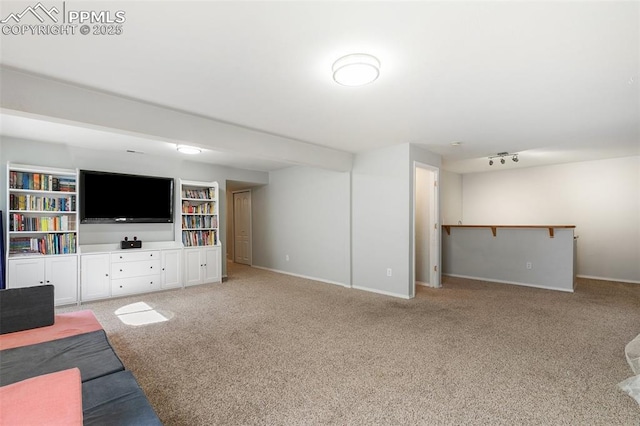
90, 352
116, 399
26, 308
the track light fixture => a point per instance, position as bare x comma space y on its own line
501, 155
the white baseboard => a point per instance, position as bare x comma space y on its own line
511, 282
322, 280
386, 293
617, 280
423, 284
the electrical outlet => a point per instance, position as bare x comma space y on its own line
389, 272
286, 257
529, 265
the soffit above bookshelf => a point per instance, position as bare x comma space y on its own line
84, 138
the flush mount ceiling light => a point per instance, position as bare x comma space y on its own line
356, 69
186, 149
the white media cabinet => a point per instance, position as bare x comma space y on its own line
108, 271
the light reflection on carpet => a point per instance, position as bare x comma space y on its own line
141, 314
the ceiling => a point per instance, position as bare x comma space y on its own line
554, 81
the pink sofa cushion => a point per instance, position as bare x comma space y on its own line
50, 399
66, 325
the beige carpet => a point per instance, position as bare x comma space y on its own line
265, 348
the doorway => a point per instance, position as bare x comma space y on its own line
242, 227
426, 229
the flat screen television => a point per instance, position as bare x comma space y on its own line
121, 198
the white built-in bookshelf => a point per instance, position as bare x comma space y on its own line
200, 232
199, 213
42, 211
42, 228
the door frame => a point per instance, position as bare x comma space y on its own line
233, 210
435, 236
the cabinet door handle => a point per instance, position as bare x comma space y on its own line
163, 269
151, 283
120, 286
120, 257
48, 281
150, 267
41, 282
120, 270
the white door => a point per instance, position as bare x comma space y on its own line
426, 227
94, 276
62, 272
434, 249
171, 268
26, 272
423, 225
242, 227
211, 264
193, 266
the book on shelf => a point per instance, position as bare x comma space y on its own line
39, 203
41, 182
48, 244
201, 193
66, 184
195, 208
25, 253
200, 238
194, 222
20, 222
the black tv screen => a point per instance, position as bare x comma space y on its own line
121, 198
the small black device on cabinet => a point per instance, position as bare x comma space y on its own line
126, 244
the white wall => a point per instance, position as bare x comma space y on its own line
602, 198
340, 227
450, 197
382, 218
475, 253
59, 155
303, 212
381, 194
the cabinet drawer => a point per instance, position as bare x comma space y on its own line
135, 269
134, 256
135, 285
